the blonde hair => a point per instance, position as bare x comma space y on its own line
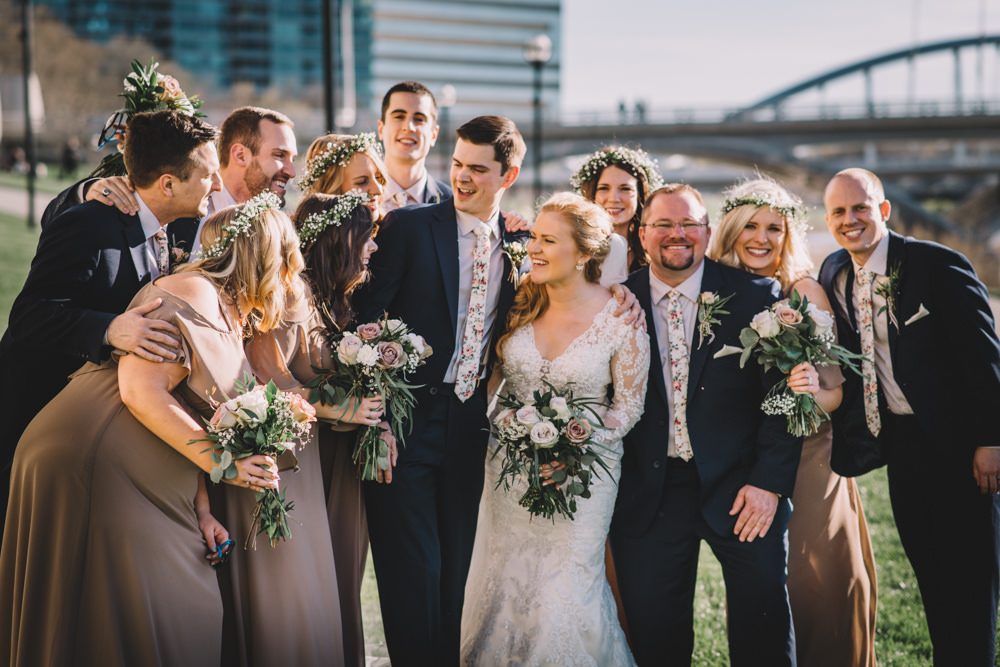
591, 229
762, 192
261, 265
331, 181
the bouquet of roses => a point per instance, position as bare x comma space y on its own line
375, 358
554, 427
261, 420
788, 333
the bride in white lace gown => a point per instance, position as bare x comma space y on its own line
537, 592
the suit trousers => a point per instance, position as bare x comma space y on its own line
951, 535
658, 571
422, 527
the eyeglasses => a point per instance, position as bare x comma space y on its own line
687, 227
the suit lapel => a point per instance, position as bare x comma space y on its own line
641, 290
896, 255
710, 282
444, 230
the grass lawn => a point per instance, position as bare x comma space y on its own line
901, 634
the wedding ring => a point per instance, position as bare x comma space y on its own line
249, 483
106, 192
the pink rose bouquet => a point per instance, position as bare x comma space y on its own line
261, 420
552, 428
375, 358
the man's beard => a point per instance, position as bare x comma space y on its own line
256, 181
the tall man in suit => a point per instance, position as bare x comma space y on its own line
408, 129
704, 462
91, 261
926, 407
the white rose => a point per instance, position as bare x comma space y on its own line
544, 434
527, 415
766, 324
254, 402
822, 319
368, 355
347, 350
708, 298
393, 325
416, 342
558, 403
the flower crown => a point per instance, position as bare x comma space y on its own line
315, 223
241, 224
637, 159
338, 153
145, 90
791, 208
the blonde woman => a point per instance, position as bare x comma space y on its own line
339, 163
831, 570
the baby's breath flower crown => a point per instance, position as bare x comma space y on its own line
790, 208
241, 224
636, 158
315, 223
337, 153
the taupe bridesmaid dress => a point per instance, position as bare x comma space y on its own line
102, 561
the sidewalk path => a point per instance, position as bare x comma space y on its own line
15, 201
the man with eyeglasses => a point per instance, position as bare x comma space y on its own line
704, 462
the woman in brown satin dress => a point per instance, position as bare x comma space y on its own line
831, 569
103, 559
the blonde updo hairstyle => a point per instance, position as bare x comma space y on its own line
331, 181
795, 262
591, 228
261, 265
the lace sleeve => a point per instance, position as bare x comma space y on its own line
629, 371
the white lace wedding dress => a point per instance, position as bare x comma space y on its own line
537, 592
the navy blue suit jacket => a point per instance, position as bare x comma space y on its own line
946, 363
734, 442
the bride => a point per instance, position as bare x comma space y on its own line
536, 591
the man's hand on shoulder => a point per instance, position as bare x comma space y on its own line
149, 339
114, 191
986, 468
515, 222
628, 307
756, 508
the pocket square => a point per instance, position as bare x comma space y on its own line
919, 315
727, 350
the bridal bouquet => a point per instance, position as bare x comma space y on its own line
261, 420
788, 333
553, 428
375, 358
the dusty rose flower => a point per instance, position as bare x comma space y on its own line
171, 87
370, 331
225, 416
347, 350
577, 430
544, 434
787, 315
391, 355
708, 298
302, 410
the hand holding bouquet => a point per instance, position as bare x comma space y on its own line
374, 359
261, 420
790, 332
553, 428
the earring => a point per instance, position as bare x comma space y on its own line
579, 267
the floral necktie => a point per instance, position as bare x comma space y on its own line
868, 349
162, 251
678, 374
472, 338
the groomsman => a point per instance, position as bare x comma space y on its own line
92, 260
926, 407
704, 462
408, 129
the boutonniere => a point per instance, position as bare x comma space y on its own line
889, 290
516, 252
710, 306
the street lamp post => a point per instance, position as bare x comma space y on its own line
446, 100
537, 52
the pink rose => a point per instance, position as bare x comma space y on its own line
544, 435
391, 355
505, 417
224, 417
370, 331
787, 315
302, 410
171, 87
577, 431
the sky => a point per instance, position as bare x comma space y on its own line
730, 53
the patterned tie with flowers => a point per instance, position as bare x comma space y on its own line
678, 374
472, 338
868, 349
162, 251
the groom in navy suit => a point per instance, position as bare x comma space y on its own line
919, 312
704, 462
422, 526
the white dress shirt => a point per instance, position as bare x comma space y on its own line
216, 202
150, 261
394, 193
689, 290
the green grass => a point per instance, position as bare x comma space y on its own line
49, 184
16, 251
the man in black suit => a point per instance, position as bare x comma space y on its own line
926, 407
92, 260
704, 462
408, 129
